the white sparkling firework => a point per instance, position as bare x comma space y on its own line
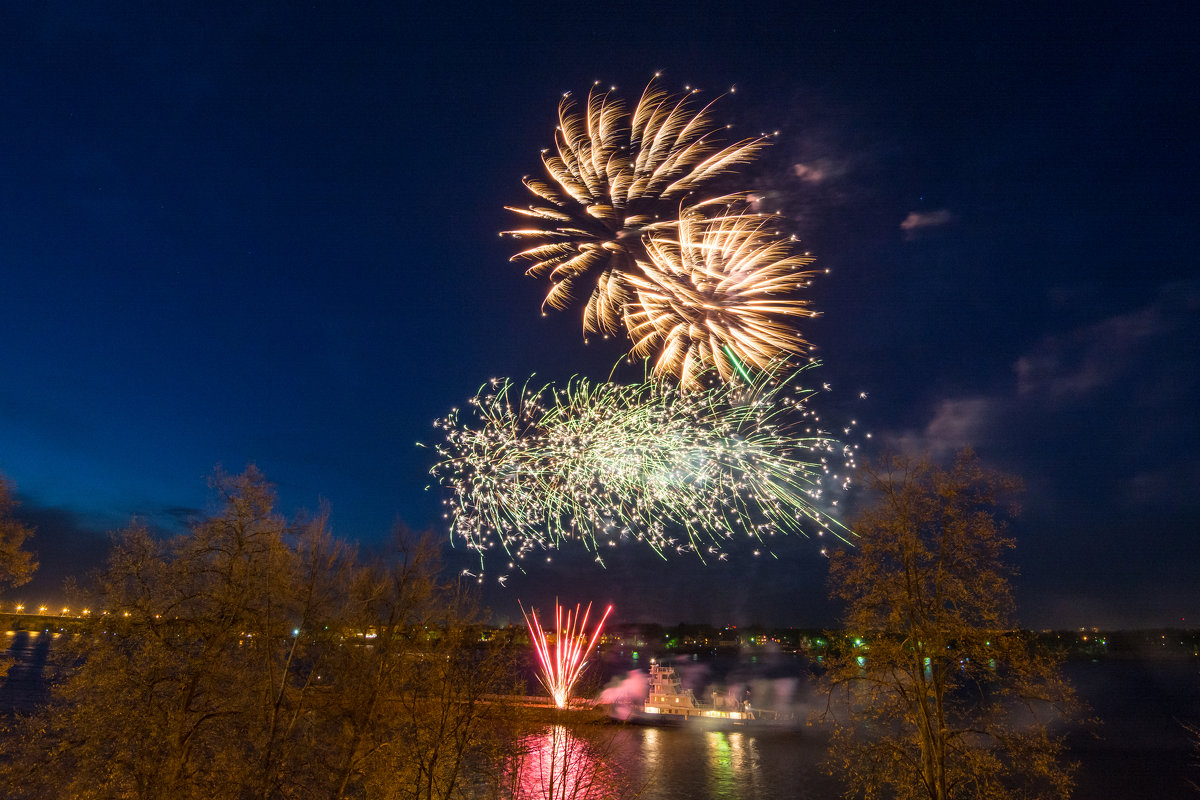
601, 464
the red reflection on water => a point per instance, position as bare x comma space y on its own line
556, 764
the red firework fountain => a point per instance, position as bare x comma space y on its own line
562, 666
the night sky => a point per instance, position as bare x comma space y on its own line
267, 233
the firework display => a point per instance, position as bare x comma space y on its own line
717, 292
615, 175
719, 444
598, 463
563, 663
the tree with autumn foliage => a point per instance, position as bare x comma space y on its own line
935, 694
256, 657
17, 564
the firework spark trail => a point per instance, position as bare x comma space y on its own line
560, 669
616, 174
599, 463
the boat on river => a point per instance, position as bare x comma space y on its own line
669, 703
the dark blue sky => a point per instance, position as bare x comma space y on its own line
268, 234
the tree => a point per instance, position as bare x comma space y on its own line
1193, 733
16, 564
404, 713
934, 694
253, 658
174, 690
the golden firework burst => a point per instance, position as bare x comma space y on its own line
718, 292
615, 176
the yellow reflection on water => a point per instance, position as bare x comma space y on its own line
652, 750
732, 763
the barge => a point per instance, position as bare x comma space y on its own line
668, 703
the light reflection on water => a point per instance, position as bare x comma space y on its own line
603, 762
732, 763
681, 763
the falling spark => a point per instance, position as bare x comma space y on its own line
600, 464
562, 665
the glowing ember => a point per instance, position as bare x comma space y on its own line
561, 668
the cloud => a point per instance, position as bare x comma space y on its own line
74, 543
1159, 487
1092, 357
817, 171
169, 519
67, 544
763, 202
956, 423
816, 183
917, 221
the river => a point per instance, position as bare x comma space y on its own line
1140, 750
